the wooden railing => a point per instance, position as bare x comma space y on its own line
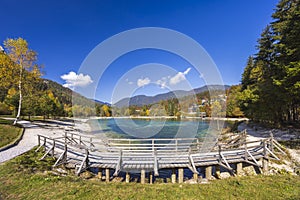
190, 148
134, 146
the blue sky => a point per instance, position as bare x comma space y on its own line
65, 32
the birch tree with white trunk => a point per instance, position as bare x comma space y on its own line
24, 60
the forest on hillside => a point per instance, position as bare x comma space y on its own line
270, 90
24, 93
202, 104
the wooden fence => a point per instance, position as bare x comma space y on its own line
155, 154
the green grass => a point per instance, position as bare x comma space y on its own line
26, 177
8, 132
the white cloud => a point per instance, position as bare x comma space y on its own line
73, 80
162, 82
180, 76
142, 82
187, 71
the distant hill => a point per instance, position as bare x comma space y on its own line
64, 94
100, 102
141, 100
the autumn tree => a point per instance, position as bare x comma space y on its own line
232, 102
24, 64
7, 74
106, 110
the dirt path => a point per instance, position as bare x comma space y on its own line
29, 139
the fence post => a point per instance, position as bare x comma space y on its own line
100, 173
180, 175
127, 177
151, 178
65, 152
173, 176
265, 149
219, 149
39, 142
107, 176
53, 147
239, 168
271, 140
265, 161
91, 142
66, 137
143, 176
87, 157
246, 153
208, 172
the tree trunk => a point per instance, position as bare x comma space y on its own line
20, 96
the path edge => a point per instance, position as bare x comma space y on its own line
15, 142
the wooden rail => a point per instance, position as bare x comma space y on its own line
154, 154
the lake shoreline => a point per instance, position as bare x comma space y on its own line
168, 117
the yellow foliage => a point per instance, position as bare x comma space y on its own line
147, 112
51, 95
11, 92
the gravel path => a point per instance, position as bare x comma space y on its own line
30, 138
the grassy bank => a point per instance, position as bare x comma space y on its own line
8, 133
26, 177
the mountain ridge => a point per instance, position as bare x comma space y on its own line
140, 100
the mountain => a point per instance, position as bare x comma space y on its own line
65, 95
100, 102
141, 100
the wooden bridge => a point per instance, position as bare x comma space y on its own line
152, 155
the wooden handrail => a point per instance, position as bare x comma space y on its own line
156, 153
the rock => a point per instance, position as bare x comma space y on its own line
117, 180
249, 171
53, 173
86, 175
204, 181
200, 179
94, 179
61, 171
46, 172
191, 181
218, 175
225, 175
297, 171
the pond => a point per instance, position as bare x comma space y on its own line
150, 128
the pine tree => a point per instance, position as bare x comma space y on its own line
271, 83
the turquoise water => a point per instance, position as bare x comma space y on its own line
144, 128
